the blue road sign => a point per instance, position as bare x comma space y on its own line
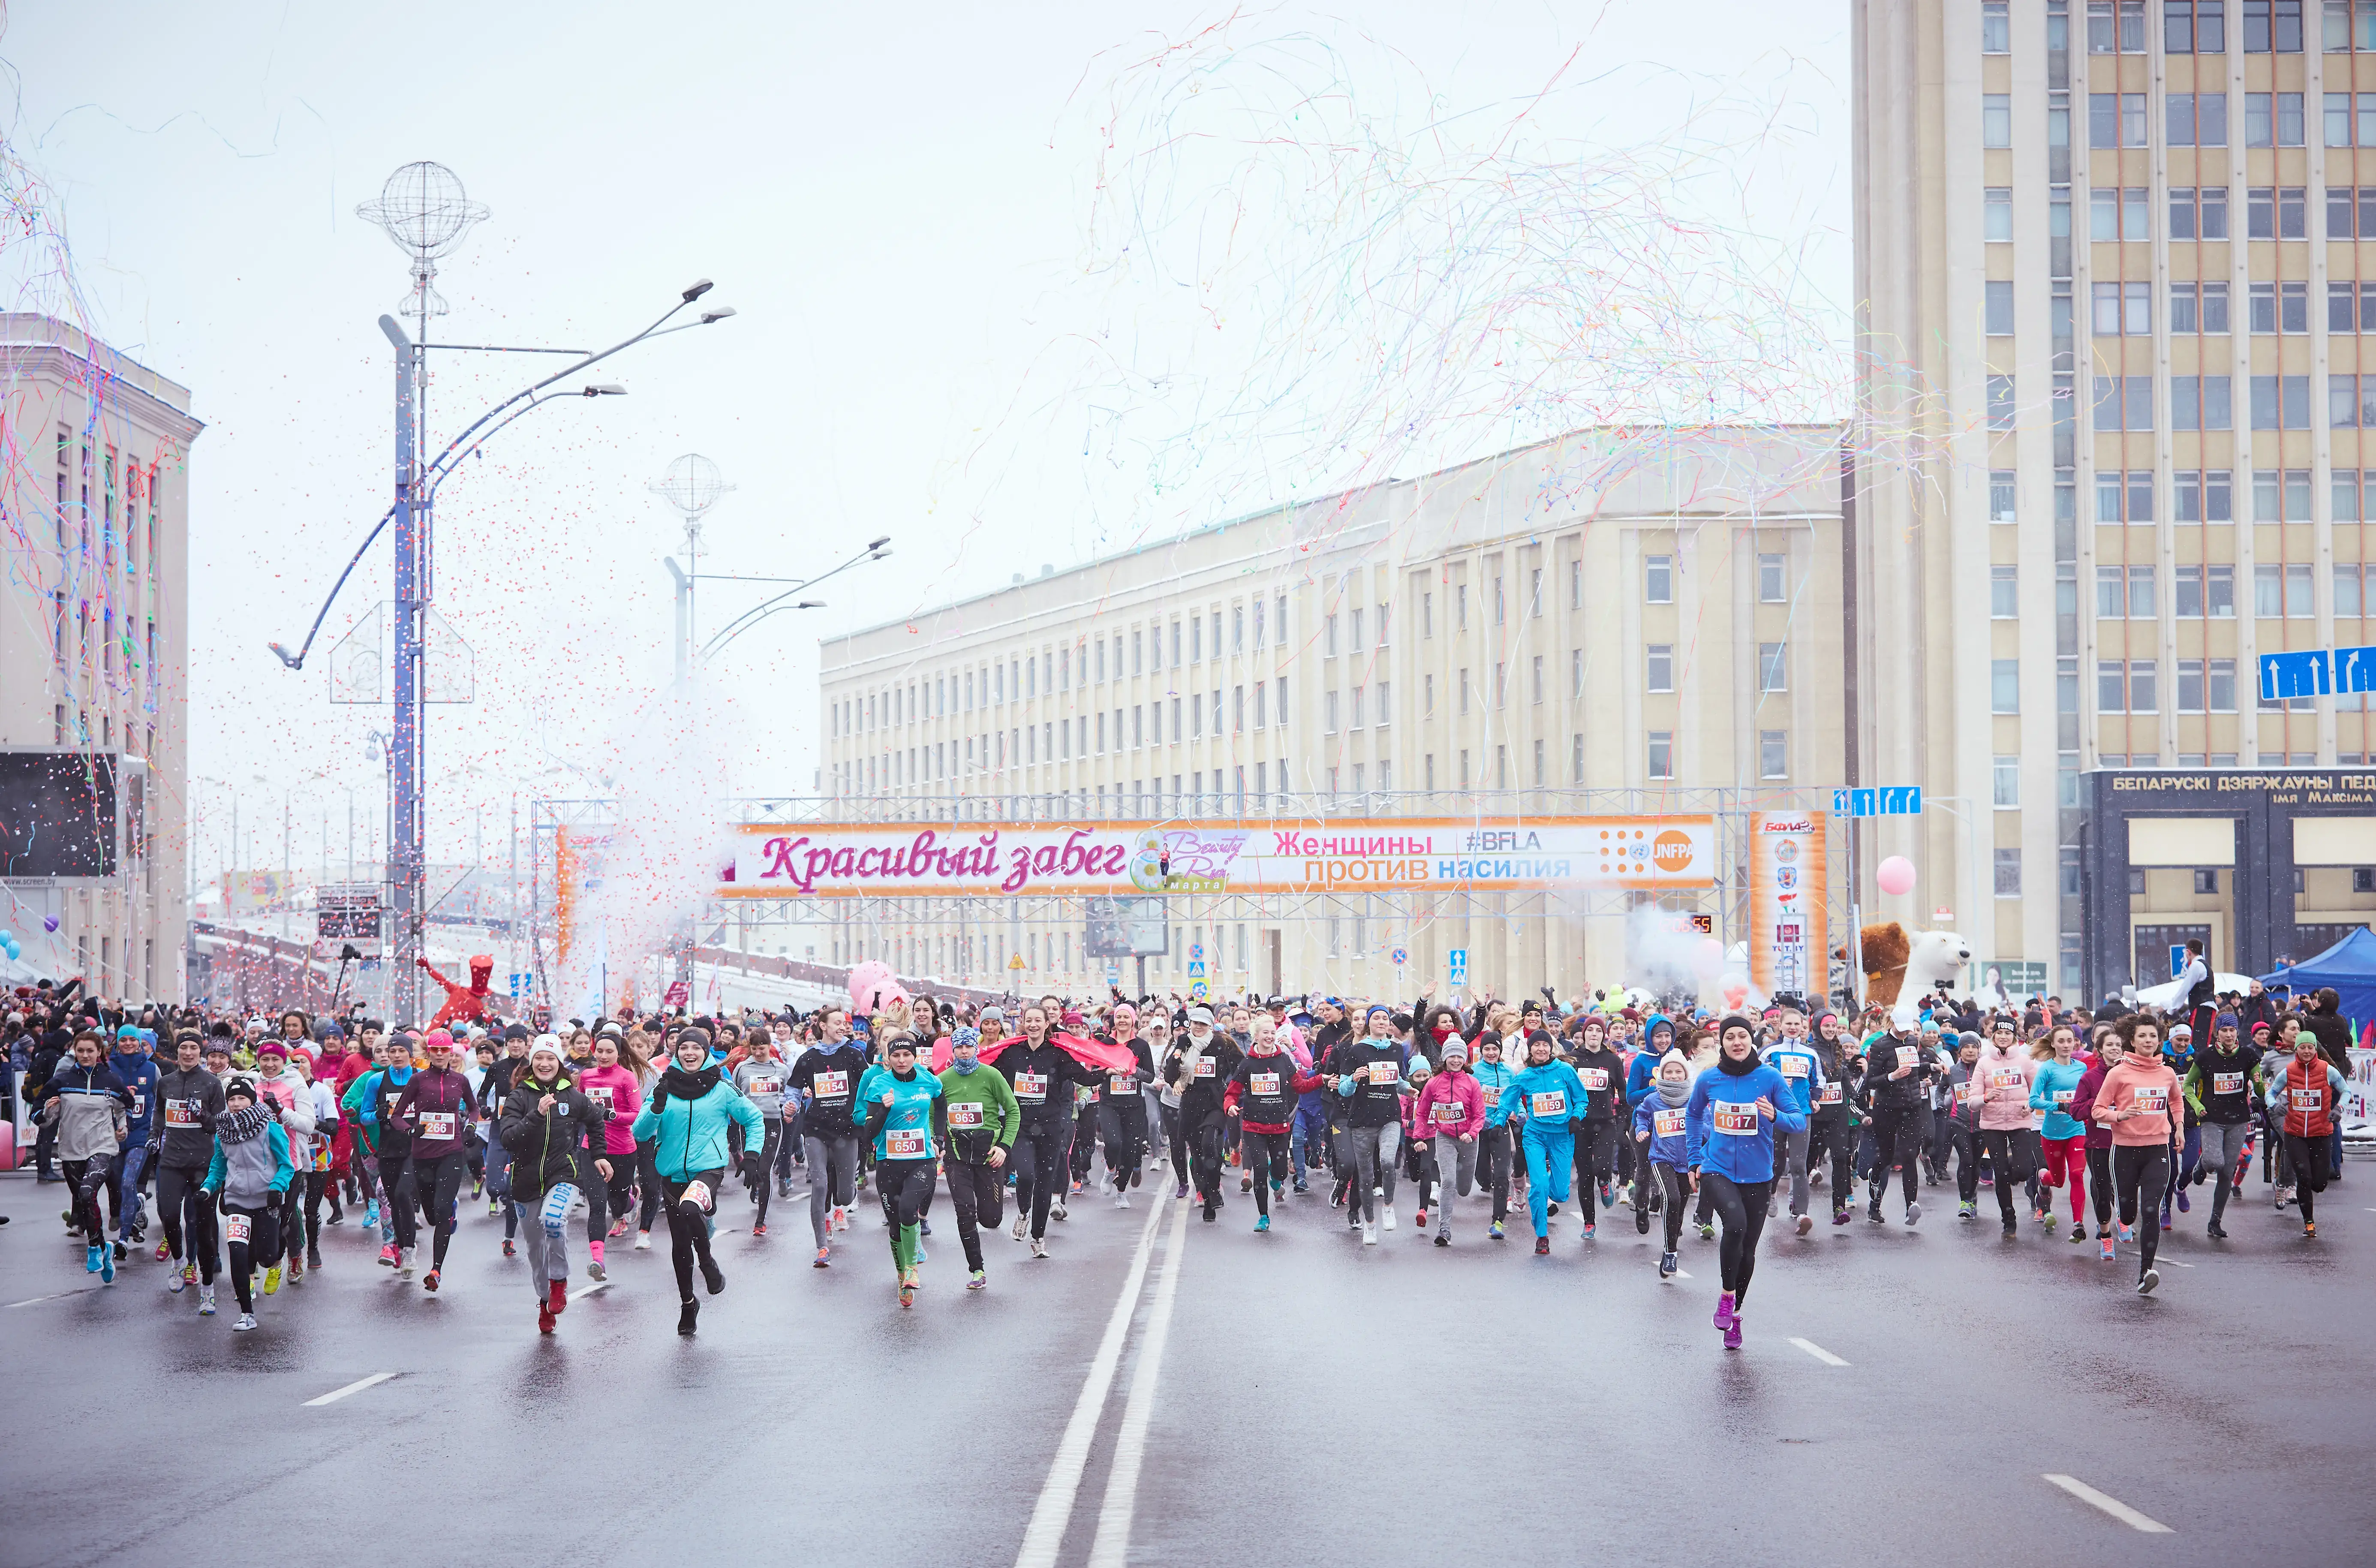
1456, 961
2305, 675
2355, 670
1895, 800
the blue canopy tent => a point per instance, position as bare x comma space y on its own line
2349, 966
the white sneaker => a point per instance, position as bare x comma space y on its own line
1021, 1227
1056, 1209
246, 1321
1122, 1200
1370, 1233
404, 1262
1038, 1248
643, 1241
1387, 1211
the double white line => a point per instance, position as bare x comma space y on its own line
1053, 1512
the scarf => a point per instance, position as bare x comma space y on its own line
678, 1083
238, 1127
1741, 1069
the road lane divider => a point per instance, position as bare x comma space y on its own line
55, 1296
357, 1387
1112, 1547
2112, 1505
1053, 1511
1819, 1352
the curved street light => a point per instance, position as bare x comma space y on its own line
875, 550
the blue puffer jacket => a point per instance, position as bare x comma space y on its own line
691, 1134
1729, 1138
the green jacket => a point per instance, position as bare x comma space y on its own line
982, 1111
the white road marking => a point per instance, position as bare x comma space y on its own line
588, 1290
1819, 1352
357, 1387
2112, 1505
1053, 1511
1681, 1275
2173, 1262
60, 1296
1111, 1547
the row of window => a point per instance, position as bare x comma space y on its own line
2191, 26
2128, 685
2279, 591
2117, 310
2206, 495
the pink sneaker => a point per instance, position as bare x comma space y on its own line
1724, 1318
1732, 1334
387, 1256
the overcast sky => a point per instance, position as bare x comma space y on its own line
947, 332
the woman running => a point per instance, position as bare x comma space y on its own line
2138, 1098
982, 1122
1450, 1112
616, 1089
435, 1108
1730, 1120
2064, 1138
250, 1171
685, 1121
546, 1124
1661, 1119
1548, 1096
906, 1119
2302, 1096
1495, 1150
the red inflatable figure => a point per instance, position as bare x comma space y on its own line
464, 1003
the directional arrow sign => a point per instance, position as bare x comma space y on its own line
2303, 674
2355, 670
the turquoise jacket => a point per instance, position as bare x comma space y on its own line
689, 1135
2052, 1091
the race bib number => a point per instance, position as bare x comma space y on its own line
238, 1226
437, 1125
1032, 1086
1119, 1083
1595, 1078
1263, 1085
1384, 1074
765, 1083
1733, 1119
600, 1094
1967, 1094
2004, 1078
1667, 1123
964, 1115
2152, 1098
831, 1085
1908, 1056
1550, 1104
140, 1102
2226, 1083
1206, 1066
1792, 1066
907, 1143
181, 1114
2307, 1100
2062, 1099
1831, 1094
1451, 1111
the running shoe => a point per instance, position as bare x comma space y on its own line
2185, 1204
1496, 1232
976, 1280
2046, 1220
618, 1228
1386, 1212
1301, 1185
1642, 1222
2105, 1249
714, 1278
119, 1252
923, 1226
179, 1282
2310, 1229
595, 1267
1262, 1222
1913, 1215
824, 1257
388, 1258
1055, 1211
1444, 1238
511, 1247
1842, 1216
2120, 1229
1806, 1223
429, 1282
556, 1296
1724, 1310
477, 1185
1022, 1226
1370, 1233
312, 1257
371, 1215
1246, 1181
494, 1209
296, 1272
1732, 1334
1038, 1248
2012, 1230
1590, 1231
1542, 1246
164, 1251
206, 1300
90, 1258
544, 1321
272, 1280
1552, 1207
1121, 1198
1871, 1214
406, 1263
756, 1230
1422, 1217
1608, 1195
2079, 1231
1707, 1232
920, 1246
1210, 1212
907, 1293
2147, 1280
1666, 1265
643, 1243
106, 1267
1182, 1192
245, 1323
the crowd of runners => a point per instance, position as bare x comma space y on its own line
241, 1140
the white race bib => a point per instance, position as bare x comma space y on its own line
1385, 1075
2062, 1097
1032, 1086
238, 1226
435, 1124
831, 1085
765, 1082
1595, 1078
964, 1114
2152, 1098
181, 1114
1734, 1118
1908, 1056
907, 1143
1549, 1105
1792, 1066
2004, 1078
1831, 1094
2307, 1100
600, 1094
1263, 1085
138, 1101
1451, 1111
1667, 1123
2226, 1083
1206, 1066
1119, 1083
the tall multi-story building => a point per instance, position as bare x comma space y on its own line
2110, 254
1637, 621
94, 651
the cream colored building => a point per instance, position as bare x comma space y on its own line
2115, 247
94, 651
1620, 620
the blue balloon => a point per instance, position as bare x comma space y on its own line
6, 937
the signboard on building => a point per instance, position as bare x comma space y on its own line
245, 891
1127, 928
348, 913
1786, 902
874, 859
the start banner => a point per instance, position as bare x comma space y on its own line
1402, 855
1786, 903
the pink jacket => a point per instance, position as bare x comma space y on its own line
616, 1088
2004, 1078
1456, 1090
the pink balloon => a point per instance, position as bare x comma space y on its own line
1707, 959
1896, 874
871, 982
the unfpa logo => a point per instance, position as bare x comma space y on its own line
1671, 851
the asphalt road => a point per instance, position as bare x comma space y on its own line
1166, 1391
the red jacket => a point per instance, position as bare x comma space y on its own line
2307, 1096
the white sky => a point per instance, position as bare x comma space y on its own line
903, 204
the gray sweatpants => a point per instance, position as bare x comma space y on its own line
1370, 1152
1795, 1160
546, 1228
833, 1180
1455, 1169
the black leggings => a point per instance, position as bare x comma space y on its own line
1266, 1161
189, 1217
1494, 1168
1175, 1132
978, 1194
648, 1178
316, 1184
1084, 1140
1122, 1120
2142, 1171
1038, 1157
402, 1199
2099, 1183
262, 1242
1897, 1133
1831, 1136
758, 1165
906, 1186
443, 1177
619, 1192
86, 1179
1741, 1205
1670, 1181
689, 1227
1596, 1153
2308, 1158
